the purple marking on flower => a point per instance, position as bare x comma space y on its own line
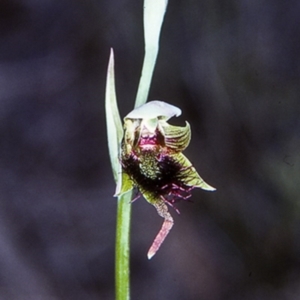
152, 161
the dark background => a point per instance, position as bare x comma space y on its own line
232, 67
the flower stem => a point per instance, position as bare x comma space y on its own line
122, 247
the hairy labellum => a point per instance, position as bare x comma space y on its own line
158, 175
152, 161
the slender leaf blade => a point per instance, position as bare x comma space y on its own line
113, 120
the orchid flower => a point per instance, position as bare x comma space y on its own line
152, 161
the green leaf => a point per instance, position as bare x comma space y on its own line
154, 11
113, 120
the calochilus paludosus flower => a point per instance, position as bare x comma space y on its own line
152, 160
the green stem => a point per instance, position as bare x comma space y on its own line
122, 247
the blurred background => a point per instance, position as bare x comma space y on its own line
232, 67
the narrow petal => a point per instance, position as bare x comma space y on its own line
162, 210
131, 134
177, 138
190, 175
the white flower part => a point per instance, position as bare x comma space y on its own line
153, 110
152, 113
